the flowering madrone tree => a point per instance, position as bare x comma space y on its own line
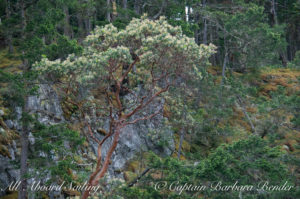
149, 54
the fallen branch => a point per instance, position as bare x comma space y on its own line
139, 177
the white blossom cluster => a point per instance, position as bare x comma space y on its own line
156, 43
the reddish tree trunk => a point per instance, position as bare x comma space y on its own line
99, 173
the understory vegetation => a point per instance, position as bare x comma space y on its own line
222, 76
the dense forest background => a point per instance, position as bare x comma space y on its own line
52, 27
237, 118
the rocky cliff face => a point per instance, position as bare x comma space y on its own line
134, 139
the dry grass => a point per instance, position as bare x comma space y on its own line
273, 78
8, 62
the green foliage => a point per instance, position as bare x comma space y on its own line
51, 152
16, 87
62, 48
251, 40
136, 192
34, 48
249, 162
295, 63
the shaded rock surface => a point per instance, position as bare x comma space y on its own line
134, 138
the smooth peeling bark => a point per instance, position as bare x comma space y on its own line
99, 173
